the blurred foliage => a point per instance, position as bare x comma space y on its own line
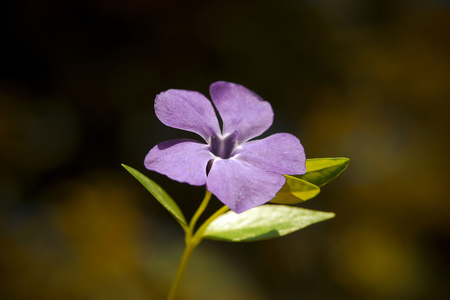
367, 80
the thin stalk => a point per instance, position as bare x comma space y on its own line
181, 270
198, 235
192, 241
200, 210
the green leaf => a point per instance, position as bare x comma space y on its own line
295, 190
262, 222
159, 194
320, 171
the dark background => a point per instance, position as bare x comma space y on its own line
368, 80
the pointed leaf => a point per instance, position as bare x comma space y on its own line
262, 222
295, 190
159, 194
320, 171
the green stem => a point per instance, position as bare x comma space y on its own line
199, 211
199, 234
181, 270
192, 241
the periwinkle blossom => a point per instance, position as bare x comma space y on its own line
242, 173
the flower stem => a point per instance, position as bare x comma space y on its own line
192, 241
200, 210
181, 270
199, 234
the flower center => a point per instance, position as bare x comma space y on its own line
223, 146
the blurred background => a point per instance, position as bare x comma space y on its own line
368, 80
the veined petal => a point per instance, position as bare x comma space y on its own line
182, 160
240, 186
243, 112
187, 110
280, 153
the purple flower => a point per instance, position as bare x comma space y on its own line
240, 173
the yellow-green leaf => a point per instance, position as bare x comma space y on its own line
295, 190
320, 171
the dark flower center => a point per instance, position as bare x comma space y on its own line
223, 146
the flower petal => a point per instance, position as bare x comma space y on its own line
187, 110
182, 160
242, 111
280, 153
240, 186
